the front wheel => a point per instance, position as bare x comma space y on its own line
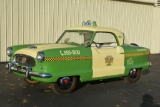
64, 85
133, 76
31, 82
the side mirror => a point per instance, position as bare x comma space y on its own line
87, 44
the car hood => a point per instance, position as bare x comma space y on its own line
33, 49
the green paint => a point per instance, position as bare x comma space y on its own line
81, 67
132, 61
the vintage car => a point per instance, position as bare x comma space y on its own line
84, 53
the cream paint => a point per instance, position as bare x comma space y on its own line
100, 69
33, 52
120, 37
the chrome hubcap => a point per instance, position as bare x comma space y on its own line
65, 83
133, 73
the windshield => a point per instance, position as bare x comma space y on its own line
75, 37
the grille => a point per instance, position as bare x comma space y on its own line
24, 60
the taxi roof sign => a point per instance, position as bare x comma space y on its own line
89, 23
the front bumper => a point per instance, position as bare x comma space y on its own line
27, 71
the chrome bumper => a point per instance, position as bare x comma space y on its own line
27, 71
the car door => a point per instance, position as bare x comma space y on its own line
107, 57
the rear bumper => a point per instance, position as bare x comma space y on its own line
145, 72
27, 71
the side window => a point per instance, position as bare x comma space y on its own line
104, 40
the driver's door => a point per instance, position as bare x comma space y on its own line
108, 58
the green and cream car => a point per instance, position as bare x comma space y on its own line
82, 54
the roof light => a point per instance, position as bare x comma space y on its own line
89, 23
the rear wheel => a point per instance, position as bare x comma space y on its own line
64, 85
31, 82
133, 75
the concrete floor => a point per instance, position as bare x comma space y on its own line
14, 92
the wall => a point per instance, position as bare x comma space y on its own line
155, 44
43, 21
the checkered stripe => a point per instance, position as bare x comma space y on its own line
68, 58
137, 54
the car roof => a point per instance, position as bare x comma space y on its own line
116, 32
96, 29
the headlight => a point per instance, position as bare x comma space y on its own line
9, 51
40, 56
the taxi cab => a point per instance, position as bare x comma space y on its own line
85, 53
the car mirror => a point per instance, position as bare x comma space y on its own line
87, 44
